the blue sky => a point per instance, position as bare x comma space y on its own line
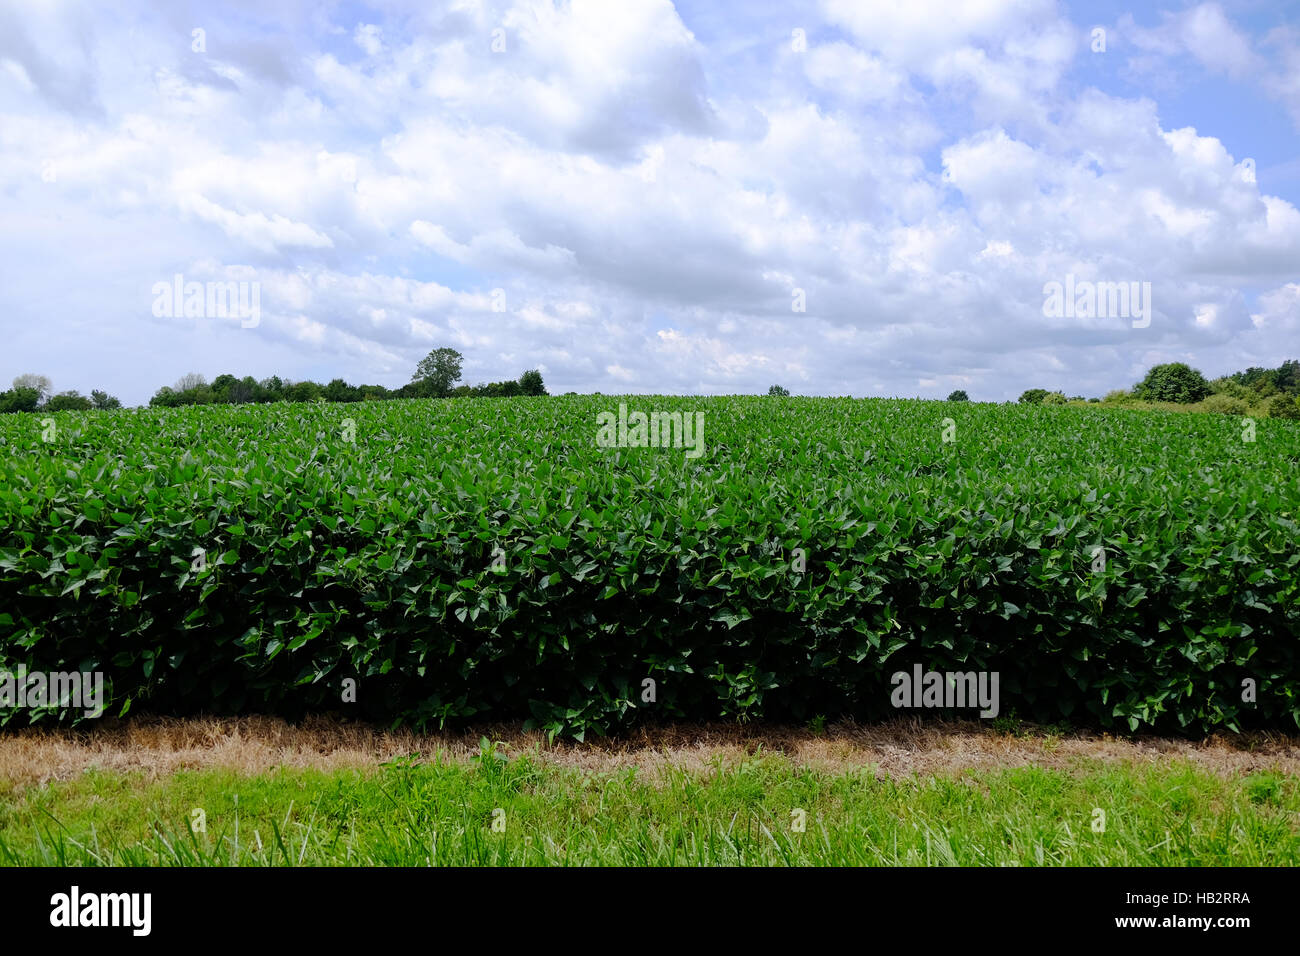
647, 185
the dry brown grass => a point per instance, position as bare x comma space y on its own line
251, 745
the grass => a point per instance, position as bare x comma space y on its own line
440, 812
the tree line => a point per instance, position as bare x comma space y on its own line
435, 377
31, 392
1256, 391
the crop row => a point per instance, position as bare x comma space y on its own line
434, 561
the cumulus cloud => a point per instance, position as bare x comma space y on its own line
638, 198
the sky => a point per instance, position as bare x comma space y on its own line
842, 197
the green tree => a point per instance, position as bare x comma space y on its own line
103, 400
1033, 396
272, 389
340, 391
1287, 377
20, 399
959, 396
437, 373
530, 383
304, 392
221, 387
245, 390
70, 401
1173, 382
778, 391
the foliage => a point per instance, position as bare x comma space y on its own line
368, 553
530, 383
438, 372
1284, 406
1033, 396
19, 399
778, 391
41, 383
1173, 382
1224, 404
72, 401
959, 396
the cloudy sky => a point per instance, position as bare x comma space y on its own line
628, 194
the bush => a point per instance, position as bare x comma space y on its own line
1054, 398
1223, 404
1033, 396
1283, 406
959, 396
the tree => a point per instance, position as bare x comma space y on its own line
190, 381
272, 389
530, 383
21, 398
959, 396
245, 390
165, 397
437, 373
1054, 398
41, 383
303, 392
103, 400
777, 391
1033, 396
340, 391
221, 387
1173, 382
1287, 377
71, 401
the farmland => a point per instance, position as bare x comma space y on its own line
444, 561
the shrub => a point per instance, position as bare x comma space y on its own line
1224, 404
1283, 406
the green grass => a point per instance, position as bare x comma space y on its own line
440, 813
